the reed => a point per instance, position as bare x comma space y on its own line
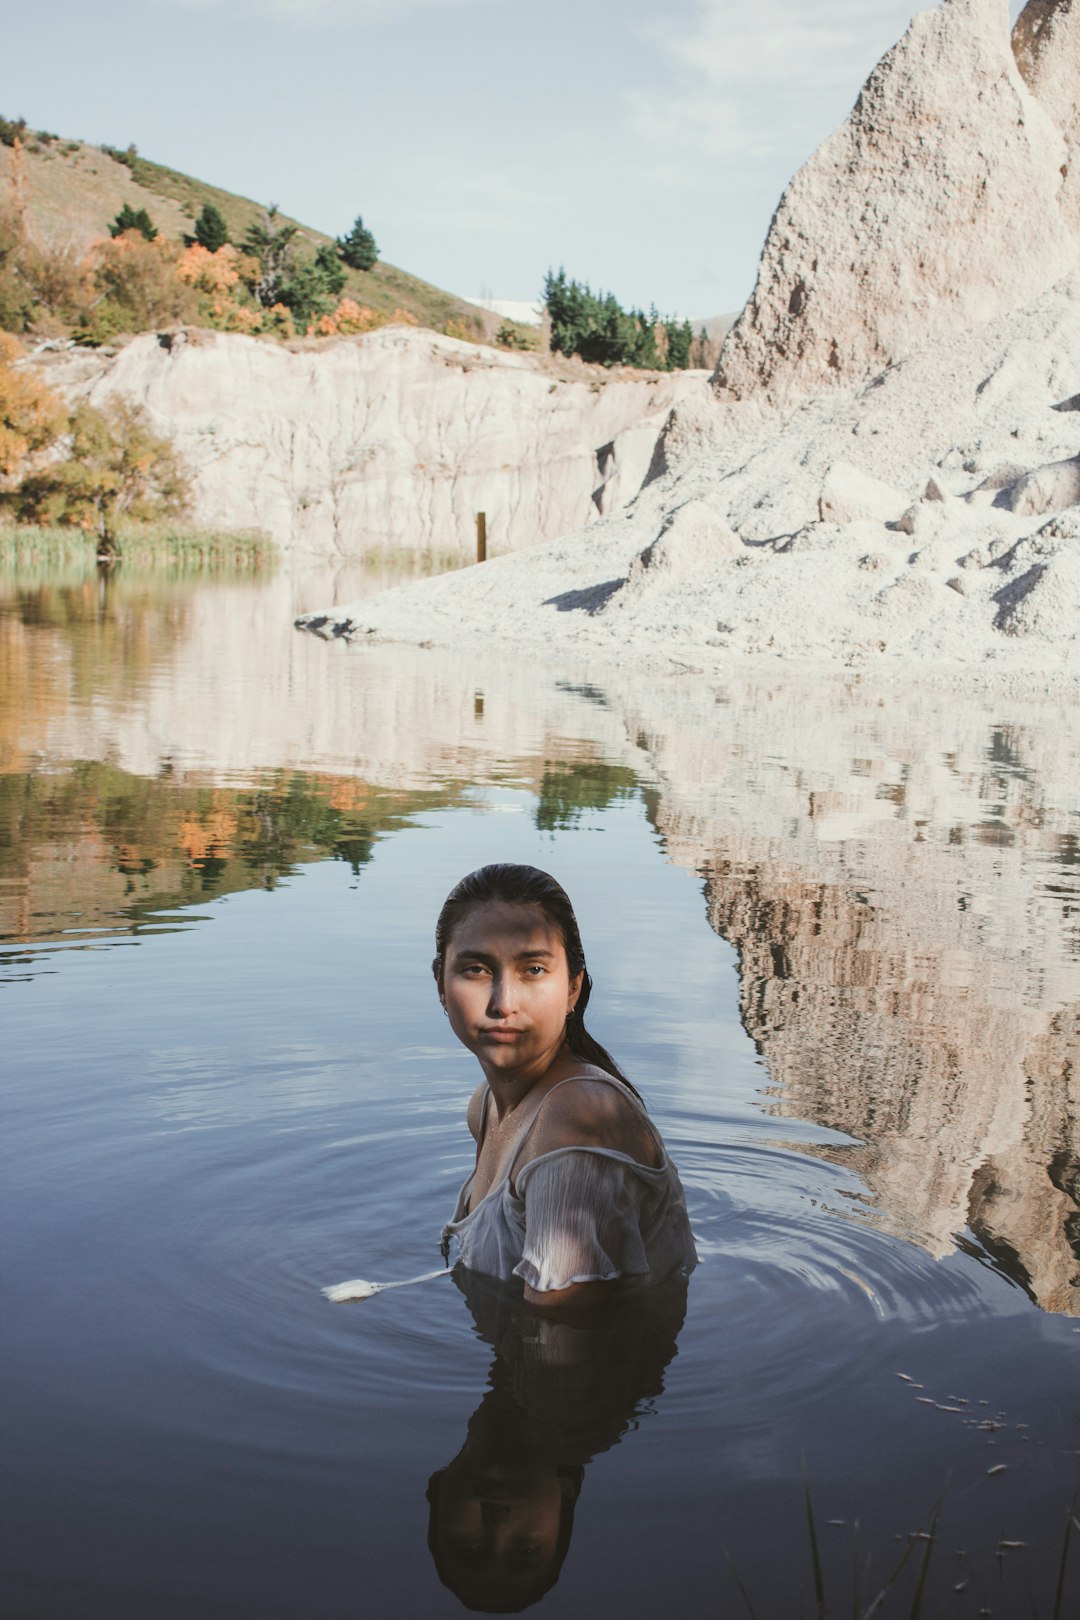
926, 1536
148, 547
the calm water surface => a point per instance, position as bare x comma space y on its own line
836, 939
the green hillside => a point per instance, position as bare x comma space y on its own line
70, 192
383, 288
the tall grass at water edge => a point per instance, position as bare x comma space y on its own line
918, 1552
157, 548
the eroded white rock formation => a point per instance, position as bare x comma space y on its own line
938, 203
390, 441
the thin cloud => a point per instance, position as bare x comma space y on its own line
780, 43
757, 80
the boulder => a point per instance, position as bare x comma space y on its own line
850, 495
1043, 600
694, 538
1044, 489
939, 203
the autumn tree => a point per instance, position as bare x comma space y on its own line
358, 249
31, 416
211, 231
138, 288
133, 219
117, 467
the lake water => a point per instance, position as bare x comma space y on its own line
835, 934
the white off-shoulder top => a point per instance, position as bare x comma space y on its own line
577, 1214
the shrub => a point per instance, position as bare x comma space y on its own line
211, 231
359, 248
466, 328
12, 130
133, 219
513, 335
126, 157
348, 320
138, 288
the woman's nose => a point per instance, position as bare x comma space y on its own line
501, 999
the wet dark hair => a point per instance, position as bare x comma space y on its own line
477, 1591
529, 886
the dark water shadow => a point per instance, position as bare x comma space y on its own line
560, 1392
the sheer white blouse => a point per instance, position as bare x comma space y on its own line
577, 1214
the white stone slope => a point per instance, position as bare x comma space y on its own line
921, 513
394, 440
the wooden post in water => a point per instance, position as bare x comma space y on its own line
481, 537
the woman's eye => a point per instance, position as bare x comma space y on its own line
535, 969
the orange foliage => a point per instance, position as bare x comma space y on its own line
206, 271
212, 835
31, 415
349, 318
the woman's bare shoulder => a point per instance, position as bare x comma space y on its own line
475, 1115
591, 1111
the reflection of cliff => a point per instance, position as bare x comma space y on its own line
910, 966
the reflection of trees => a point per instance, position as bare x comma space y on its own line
94, 846
568, 790
560, 1392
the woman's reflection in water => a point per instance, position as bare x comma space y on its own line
563, 1388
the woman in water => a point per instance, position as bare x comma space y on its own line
572, 1188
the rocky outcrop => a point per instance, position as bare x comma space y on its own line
941, 202
390, 441
1046, 44
917, 522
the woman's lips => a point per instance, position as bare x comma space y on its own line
501, 1036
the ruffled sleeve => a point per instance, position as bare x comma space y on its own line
583, 1213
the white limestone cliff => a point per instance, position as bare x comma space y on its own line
391, 441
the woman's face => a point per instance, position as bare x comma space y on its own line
507, 988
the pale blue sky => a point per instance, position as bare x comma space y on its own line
482, 140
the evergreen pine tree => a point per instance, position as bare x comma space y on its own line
211, 231
359, 249
680, 336
133, 219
